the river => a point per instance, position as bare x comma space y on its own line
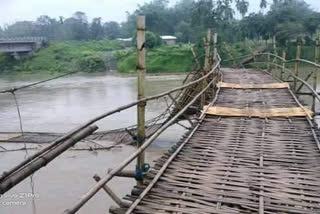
59, 106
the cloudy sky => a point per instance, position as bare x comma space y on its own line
17, 10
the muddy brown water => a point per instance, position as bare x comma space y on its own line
61, 105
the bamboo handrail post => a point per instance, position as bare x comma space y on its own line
268, 62
283, 64
206, 68
141, 69
195, 57
296, 68
315, 73
215, 48
276, 62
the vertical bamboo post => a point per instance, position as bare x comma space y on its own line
207, 52
268, 62
275, 62
296, 68
274, 43
141, 69
215, 48
206, 68
283, 64
315, 72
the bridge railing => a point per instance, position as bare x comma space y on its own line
40, 159
214, 76
301, 74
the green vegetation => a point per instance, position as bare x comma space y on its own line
177, 58
288, 21
87, 56
187, 20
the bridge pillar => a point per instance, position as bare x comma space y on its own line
141, 69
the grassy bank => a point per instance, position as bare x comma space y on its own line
177, 58
87, 56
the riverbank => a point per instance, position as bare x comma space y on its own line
96, 56
106, 55
63, 57
175, 58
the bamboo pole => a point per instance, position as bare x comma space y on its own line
215, 48
19, 176
276, 62
296, 67
112, 195
207, 52
274, 43
195, 57
206, 68
141, 69
268, 62
315, 73
284, 55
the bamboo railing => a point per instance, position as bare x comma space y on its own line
214, 73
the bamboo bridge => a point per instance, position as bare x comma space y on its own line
252, 145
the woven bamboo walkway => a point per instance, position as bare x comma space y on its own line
240, 164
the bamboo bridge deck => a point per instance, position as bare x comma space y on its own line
239, 164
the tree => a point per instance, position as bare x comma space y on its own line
263, 4
242, 7
48, 27
1, 32
184, 32
96, 29
21, 29
288, 31
112, 30
76, 27
81, 16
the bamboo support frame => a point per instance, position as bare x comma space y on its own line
164, 167
86, 197
40, 154
112, 195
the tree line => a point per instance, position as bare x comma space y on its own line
76, 27
287, 20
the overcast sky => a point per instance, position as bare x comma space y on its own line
109, 10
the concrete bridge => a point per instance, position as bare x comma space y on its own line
21, 46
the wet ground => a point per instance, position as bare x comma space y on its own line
61, 105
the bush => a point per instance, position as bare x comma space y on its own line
91, 62
152, 40
176, 58
65, 56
